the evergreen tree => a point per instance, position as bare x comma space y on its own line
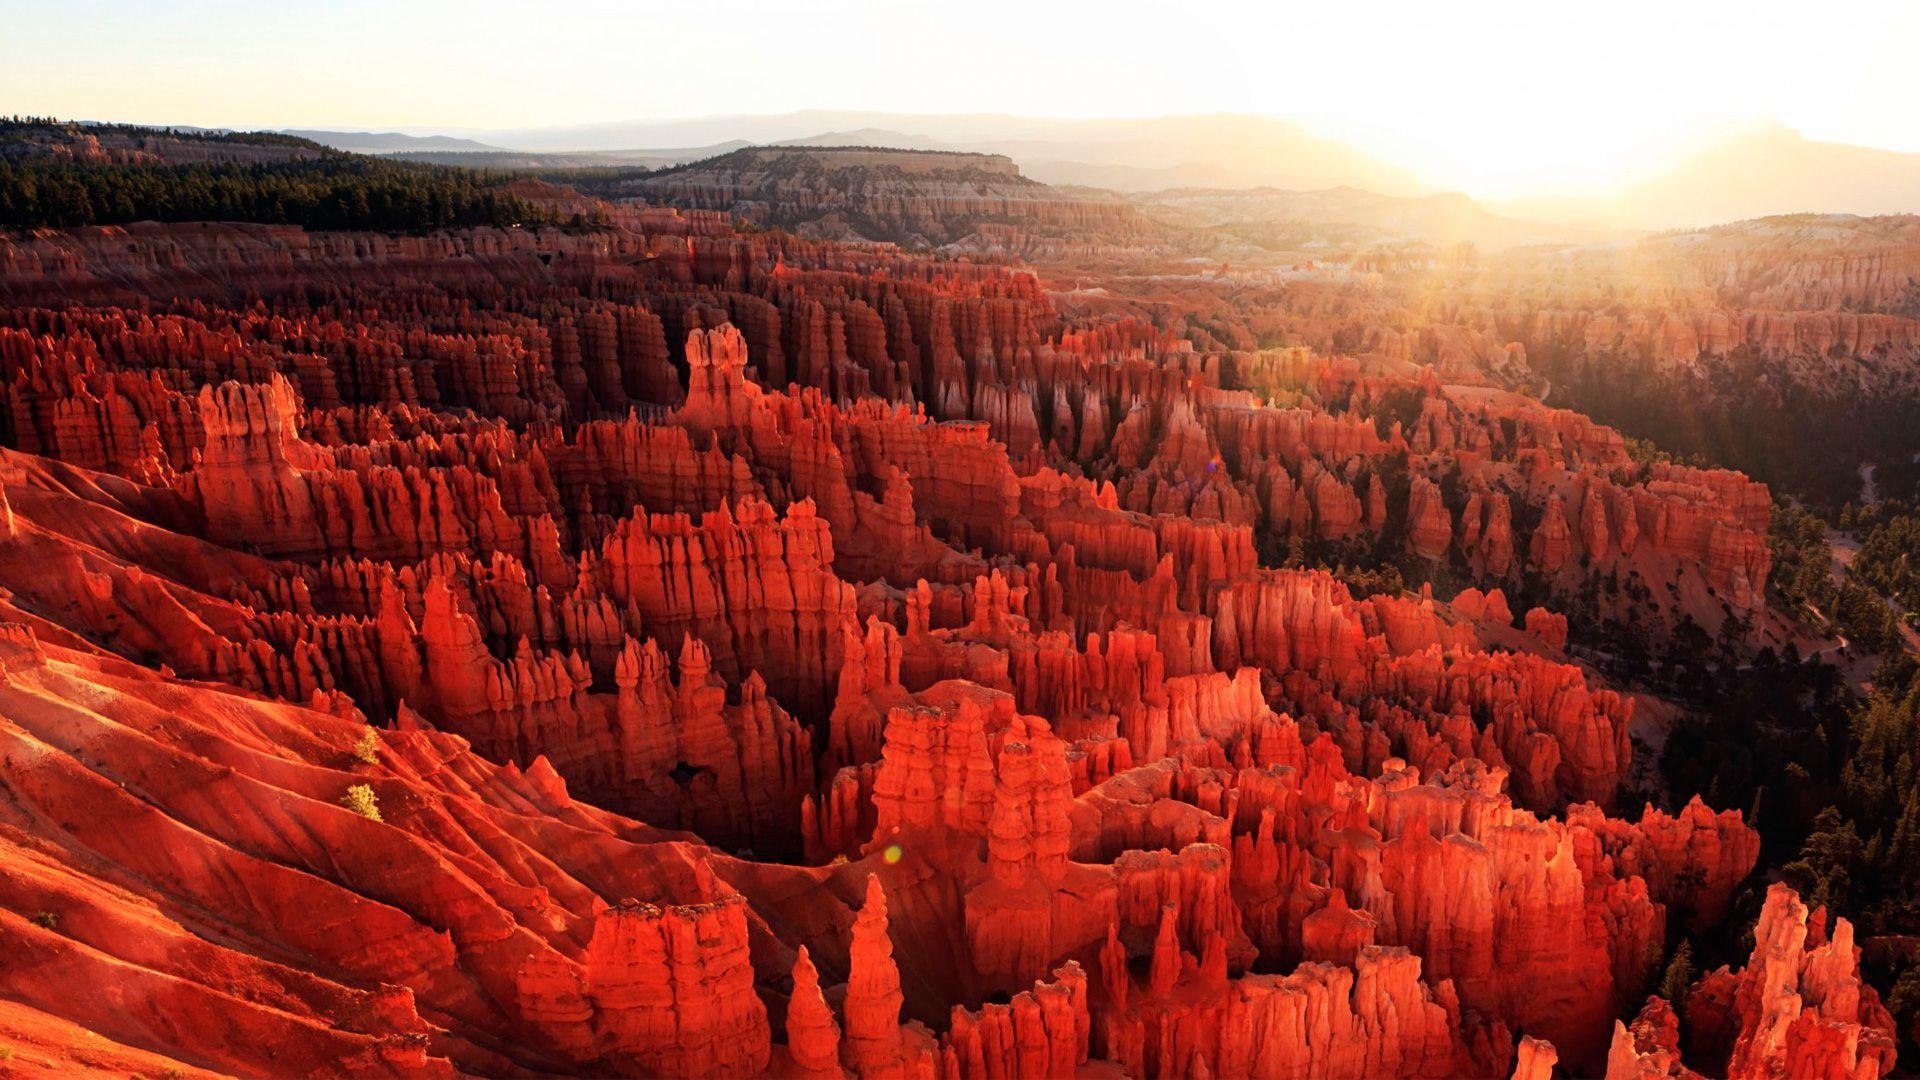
1678, 980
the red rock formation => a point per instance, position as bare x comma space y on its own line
873, 1045
345, 930
249, 485
670, 991
1547, 626
894, 195
1650, 1048
1376, 1019
1535, 1059
1559, 738
755, 587
944, 585
1552, 542
1692, 861
1799, 1007
1429, 525
1041, 1032
813, 1037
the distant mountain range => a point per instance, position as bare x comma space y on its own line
1281, 220
1774, 170
387, 142
1124, 155
1770, 171
1777, 171
576, 159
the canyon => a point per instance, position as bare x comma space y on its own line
688, 643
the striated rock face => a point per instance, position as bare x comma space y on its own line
1374, 1019
756, 588
1040, 1032
662, 649
671, 991
250, 487
344, 931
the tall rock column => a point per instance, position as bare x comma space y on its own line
1799, 1008
873, 1045
813, 1038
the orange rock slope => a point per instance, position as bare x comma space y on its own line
662, 651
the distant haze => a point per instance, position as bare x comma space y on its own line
1128, 155
1768, 169
1499, 98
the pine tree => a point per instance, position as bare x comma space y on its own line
1829, 861
1678, 980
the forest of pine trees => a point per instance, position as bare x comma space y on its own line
316, 189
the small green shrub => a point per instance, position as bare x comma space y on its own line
361, 800
368, 748
48, 920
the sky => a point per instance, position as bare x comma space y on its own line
1491, 97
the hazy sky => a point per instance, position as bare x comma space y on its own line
1493, 97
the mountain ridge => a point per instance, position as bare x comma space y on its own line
1769, 171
